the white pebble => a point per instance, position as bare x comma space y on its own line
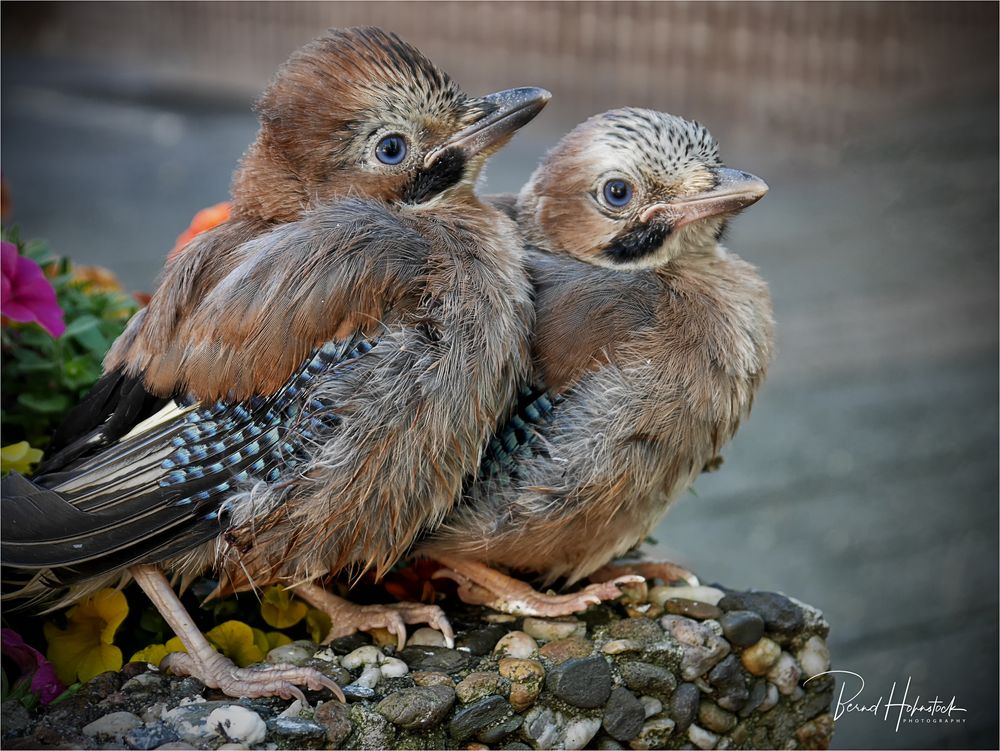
114, 725
545, 629
814, 657
650, 705
327, 655
288, 654
618, 646
238, 724
232, 747
369, 677
393, 667
499, 618
367, 655
702, 738
771, 699
516, 644
711, 595
579, 732
293, 709
785, 674
426, 637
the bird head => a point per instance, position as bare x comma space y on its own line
633, 188
361, 112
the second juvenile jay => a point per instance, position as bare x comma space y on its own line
651, 341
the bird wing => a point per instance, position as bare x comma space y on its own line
306, 299
335, 272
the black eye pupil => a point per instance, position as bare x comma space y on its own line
617, 192
391, 150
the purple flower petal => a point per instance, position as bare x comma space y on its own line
27, 295
44, 683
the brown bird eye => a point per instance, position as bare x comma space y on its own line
391, 149
617, 193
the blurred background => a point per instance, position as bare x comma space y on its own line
866, 481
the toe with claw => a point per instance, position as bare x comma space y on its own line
251, 682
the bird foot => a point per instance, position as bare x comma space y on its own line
252, 682
481, 585
346, 617
650, 570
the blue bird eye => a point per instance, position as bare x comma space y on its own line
617, 193
391, 149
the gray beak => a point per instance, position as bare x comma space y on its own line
505, 112
735, 191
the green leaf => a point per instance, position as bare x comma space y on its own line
81, 325
53, 404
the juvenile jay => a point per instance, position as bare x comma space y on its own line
651, 341
314, 377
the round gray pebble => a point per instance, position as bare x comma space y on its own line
624, 715
647, 678
417, 708
779, 613
742, 627
474, 717
684, 705
583, 682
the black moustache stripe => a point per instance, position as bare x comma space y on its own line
638, 242
445, 172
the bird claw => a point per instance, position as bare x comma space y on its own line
251, 682
509, 595
348, 618
665, 570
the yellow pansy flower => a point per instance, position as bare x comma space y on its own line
279, 609
86, 647
277, 639
155, 653
318, 624
18, 457
236, 641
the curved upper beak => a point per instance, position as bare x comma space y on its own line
735, 190
503, 113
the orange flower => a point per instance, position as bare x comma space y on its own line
204, 220
96, 279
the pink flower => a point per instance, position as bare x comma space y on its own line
33, 665
26, 295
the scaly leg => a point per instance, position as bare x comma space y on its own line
651, 570
346, 617
479, 584
216, 670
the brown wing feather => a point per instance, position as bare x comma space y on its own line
244, 329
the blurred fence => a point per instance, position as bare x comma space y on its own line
810, 70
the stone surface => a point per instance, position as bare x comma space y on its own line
417, 708
631, 682
516, 644
691, 608
624, 715
560, 650
475, 717
547, 629
434, 658
684, 705
760, 657
648, 679
297, 732
477, 685
742, 627
583, 682
112, 727
780, 614
336, 720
